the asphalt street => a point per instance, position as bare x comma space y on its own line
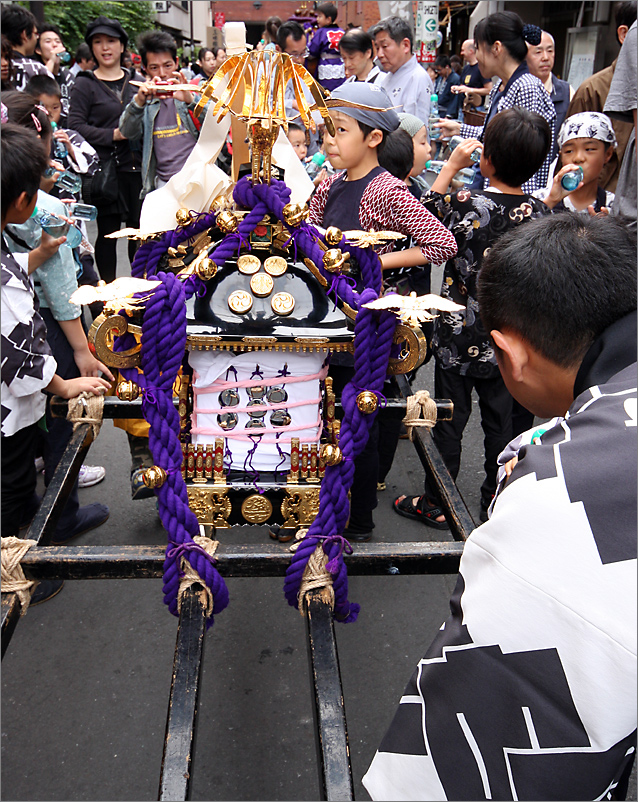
86, 678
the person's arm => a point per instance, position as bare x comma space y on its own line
459, 158
402, 212
46, 250
70, 388
318, 203
87, 364
131, 122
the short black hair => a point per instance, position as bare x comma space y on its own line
202, 52
42, 85
156, 42
16, 20
24, 160
396, 28
217, 49
83, 53
552, 280
286, 29
366, 130
356, 40
7, 50
397, 156
23, 110
517, 142
47, 26
505, 27
295, 127
625, 14
328, 10
442, 61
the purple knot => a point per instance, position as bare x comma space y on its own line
334, 286
181, 550
332, 566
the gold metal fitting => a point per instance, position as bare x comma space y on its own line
206, 269
333, 260
334, 235
331, 454
367, 402
227, 222
183, 217
295, 213
127, 391
154, 477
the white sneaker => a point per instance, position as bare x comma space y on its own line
90, 475
39, 464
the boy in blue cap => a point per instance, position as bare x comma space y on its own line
364, 196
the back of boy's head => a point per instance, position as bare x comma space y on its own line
559, 281
156, 42
24, 111
24, 160
517, 142
328, 10
397, 156
39, 85
16, 20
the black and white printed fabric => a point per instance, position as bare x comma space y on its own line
529, 690
27, 363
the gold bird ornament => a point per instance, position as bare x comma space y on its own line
116, 295
413, 309
365, 239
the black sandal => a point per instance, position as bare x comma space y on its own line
422, 511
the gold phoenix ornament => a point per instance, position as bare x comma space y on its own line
413, 309
116, 295
364, 239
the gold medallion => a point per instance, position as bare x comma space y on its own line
240, 302
248, 264
261, 284
256, 509
275, 266
283, 303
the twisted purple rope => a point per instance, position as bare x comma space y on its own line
163, 345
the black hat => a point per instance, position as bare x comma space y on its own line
111, 27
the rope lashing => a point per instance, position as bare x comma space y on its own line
317, 577
420, 411
191, 577
13, 578
86, 408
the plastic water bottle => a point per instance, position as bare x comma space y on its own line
315, 165
435, 133
572, 179
465, 176
69, 181
475, 155
59, 149
57, 227
82, 211
64, 56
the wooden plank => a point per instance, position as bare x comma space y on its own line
179, 741
270, 559
335, 771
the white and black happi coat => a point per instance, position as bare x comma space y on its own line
529, 690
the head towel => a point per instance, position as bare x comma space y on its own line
587, 125
377, 111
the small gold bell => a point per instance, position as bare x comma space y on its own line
154, 477
295, 213
367, 402
333, 260
334, 235
331, 454
206, 269
183, 217
127, 391
227, 222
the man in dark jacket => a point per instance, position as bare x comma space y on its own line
540, 61
447, 78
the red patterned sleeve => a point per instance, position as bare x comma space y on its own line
387, 204
318, 201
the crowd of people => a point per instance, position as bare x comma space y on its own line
531, 214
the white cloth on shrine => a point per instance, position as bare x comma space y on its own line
213, 368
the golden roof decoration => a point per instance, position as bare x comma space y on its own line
413, 309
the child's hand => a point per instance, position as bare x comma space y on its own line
558, 192
460, 156
509, 466
70, 388
62, 136
604, 211
323, 173
47, 248
88, 365
47, 182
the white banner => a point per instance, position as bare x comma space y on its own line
426, 29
